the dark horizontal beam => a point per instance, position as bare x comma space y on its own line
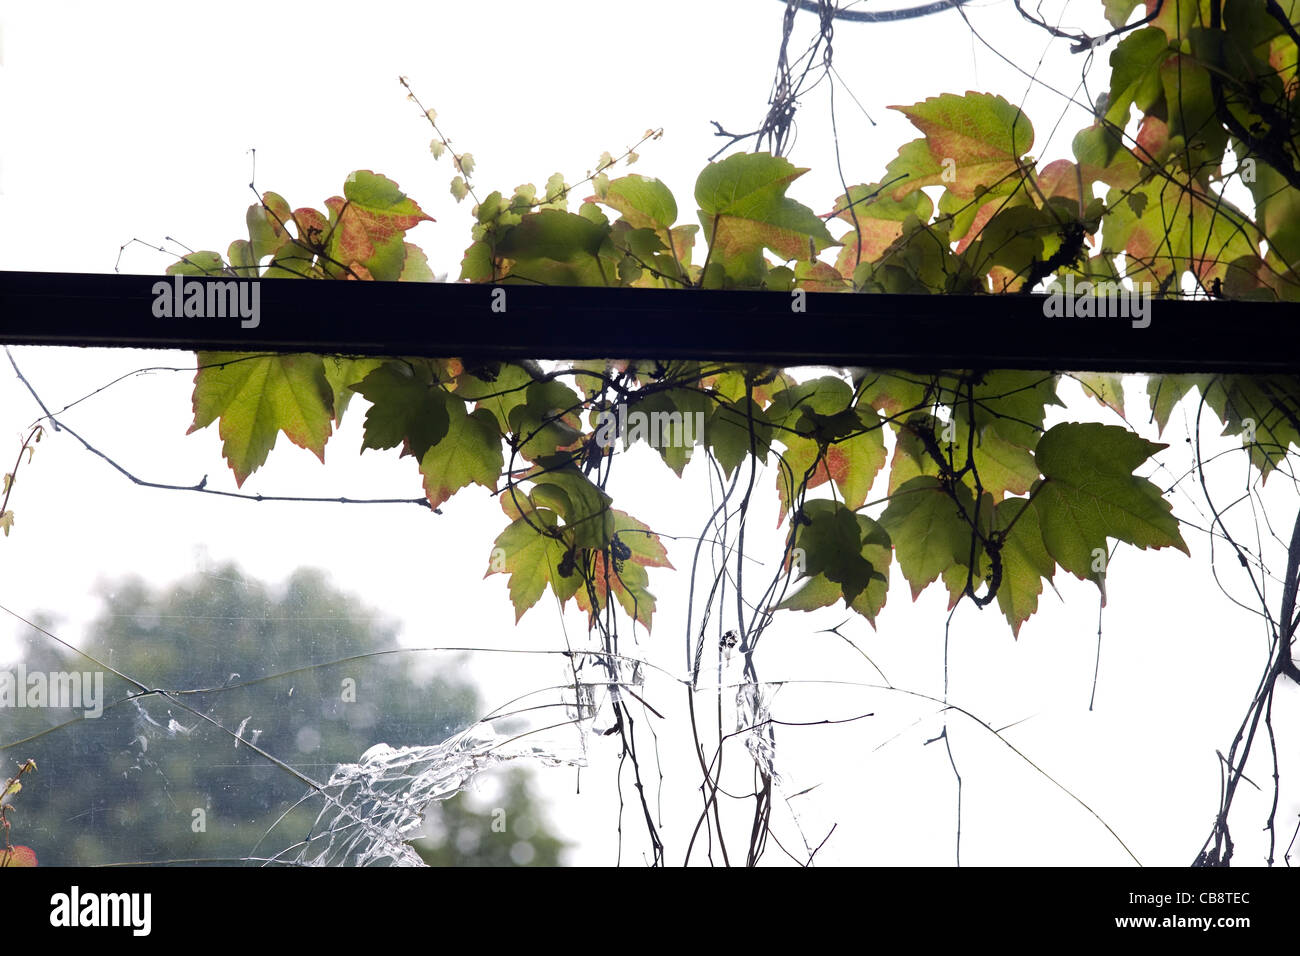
448, 319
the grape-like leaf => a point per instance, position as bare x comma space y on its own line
368, 223
840, 554
930, 535
408, 407
1025, 561
531, 558
258, 396
1089, 493
744, 209
470, 453
971, 142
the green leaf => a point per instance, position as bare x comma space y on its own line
547, 420
258, 396
552, 234
342, 373
644, 202
817, 413
585, 508
1102, 157
1135, 74
744, 209
470, 453
627, 579
1089, 494
553, 247
840, 554
728, 433
855, 461
1176, 232
929, 535
830, 536
1108, 389
198, 264
665, 409
532, 560
496, 386
1165, 391
266, 221
1003, 466
408, 407
1025, 561
1262, 409
415, 267
1011, 401
1117, 11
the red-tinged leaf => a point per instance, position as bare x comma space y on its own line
627, 582
971, 141
855, 462
879, 221
818, 276
369, 223
647, 550
313, 227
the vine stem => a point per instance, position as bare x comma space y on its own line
32, 438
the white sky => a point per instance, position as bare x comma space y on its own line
119, 127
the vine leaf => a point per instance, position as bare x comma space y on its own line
408, 407
531, 558
1106, 388
258, 396
342, 373
367, 225
267, 234
1165, 392
546, 421
1089, 493
930, 536
496, 386
560, 486
840, 554
970, 141
470, 453
627, 579
1259, 409
815, 415
1003, 466
728, 429
743, 209
1166, 232
644, 203
880, 220
1135, 74
204, 263
854, 461
554, 247
1025, 561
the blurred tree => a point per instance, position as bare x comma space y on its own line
303, 672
